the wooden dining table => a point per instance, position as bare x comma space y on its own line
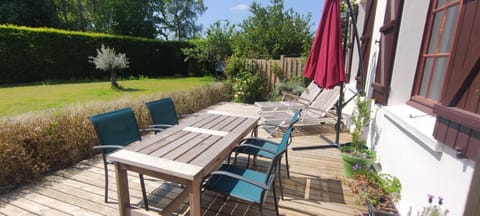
184, 154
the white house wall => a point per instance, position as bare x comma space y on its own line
409, 44
402, 135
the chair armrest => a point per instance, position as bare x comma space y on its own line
241, 178
108, 147
266, 124
152, 129
304, 101
160, 126
236, 148
270, 124
257, 138
186, 115
327, 112
285, 95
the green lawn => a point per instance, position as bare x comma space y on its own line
17, 100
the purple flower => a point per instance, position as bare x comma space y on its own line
440, 200
356, 167
430, 198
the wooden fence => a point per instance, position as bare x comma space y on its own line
277, 70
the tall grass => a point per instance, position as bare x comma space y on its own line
34, 144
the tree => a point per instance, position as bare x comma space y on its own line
272, 31
216, 47
108, 60
134, 18
177, 18
35, 13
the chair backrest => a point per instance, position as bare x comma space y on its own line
163, 111
295, 118
285, 139
349, 100
311, 92
118, 127
277, 157
325, 101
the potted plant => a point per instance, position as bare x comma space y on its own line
379, 192
356, 151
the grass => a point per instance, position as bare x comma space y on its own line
37, 143
23, 99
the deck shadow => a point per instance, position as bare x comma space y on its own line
313, 189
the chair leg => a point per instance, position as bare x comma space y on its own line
235, 159
275, 198
280, 181
286, 163
106, 182
144, 192
260, 209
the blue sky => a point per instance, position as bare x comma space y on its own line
237, 10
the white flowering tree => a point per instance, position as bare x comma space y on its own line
108, 60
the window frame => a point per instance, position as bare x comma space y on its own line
423, 103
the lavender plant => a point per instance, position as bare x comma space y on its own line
434, 210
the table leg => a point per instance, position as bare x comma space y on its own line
122, 190
195, 197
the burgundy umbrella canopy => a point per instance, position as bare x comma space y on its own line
325, 65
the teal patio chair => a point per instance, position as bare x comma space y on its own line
245, 184
163, 114
115, 130
267, 149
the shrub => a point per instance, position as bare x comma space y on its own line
247, 87
34, 144
37, 54
246, 80
294, 85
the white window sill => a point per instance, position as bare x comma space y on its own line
415, 123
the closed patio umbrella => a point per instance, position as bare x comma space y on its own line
325, 64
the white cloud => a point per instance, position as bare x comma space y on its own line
239, 7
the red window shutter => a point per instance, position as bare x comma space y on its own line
458, 114
388, 44
365, 42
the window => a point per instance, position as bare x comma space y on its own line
441, 26
457, 107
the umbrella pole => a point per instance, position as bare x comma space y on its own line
357, 39
340, 103
340, 99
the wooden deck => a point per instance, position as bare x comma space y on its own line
314, 187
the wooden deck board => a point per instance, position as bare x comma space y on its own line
314, 188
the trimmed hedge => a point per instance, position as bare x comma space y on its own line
38, 143
39, 54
